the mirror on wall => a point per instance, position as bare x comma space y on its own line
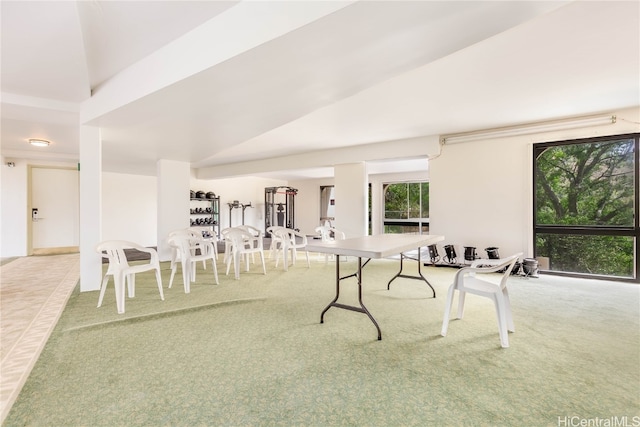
327, 204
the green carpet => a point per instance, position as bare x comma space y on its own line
253, 353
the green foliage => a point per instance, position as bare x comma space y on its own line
586, 184
403, 200
602, 255
590, 185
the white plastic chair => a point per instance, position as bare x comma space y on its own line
122, 272
276, 240
289, 241
337, 234
257, 234
175, 252
227, 243
213, 238
242, 243
467, 280
252, 233
327, 234
190, 248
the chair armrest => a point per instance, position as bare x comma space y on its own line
302, 236
152, 252
486, 263
205, 246
471, 271
491, 265
483, 269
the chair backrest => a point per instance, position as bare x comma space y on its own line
325, 232
337, 234
251, 229
243, 240
503, 265
114, 251
273, 229
224, 232
188, 240
186, 231
276, 229
200, 232
182, 240
298, 239
284, 235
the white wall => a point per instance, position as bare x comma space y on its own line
245, 190
13, 209
481, 191
129, 208
308, 203
479, 195
351, 199
130, 203
14, 215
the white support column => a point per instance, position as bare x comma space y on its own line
90, 207
351, 198
173, 201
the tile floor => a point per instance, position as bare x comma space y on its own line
33, 293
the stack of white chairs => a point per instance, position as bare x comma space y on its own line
276, 239
188, 247
213, 238
328, 234
288, 242
241, 243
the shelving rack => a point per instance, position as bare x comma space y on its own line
205, 213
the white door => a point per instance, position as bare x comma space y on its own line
55, 210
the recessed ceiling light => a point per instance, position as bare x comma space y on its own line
39, 142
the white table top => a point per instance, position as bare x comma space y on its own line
378, 246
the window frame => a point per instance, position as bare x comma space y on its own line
420, 223
586, 230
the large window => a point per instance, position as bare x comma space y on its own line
406, 207
586, 206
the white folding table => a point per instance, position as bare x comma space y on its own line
373, 247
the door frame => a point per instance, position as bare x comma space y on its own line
30, 206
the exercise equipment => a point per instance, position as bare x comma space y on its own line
279, 205
237, 205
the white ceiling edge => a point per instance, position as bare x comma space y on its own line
268, 20
419, 166
424, 146
39, 156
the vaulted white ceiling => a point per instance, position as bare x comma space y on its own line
217, 83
